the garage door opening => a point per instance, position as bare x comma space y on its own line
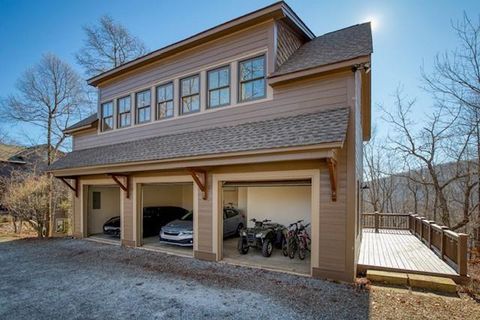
166, 222
274, 205
103, 217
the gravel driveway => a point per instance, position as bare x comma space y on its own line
78, 279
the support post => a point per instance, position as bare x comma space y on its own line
462, 254
377, 221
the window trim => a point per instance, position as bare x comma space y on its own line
157, 118
144, 107
119, 114
102, 118
228, 67
240, 82
180, 107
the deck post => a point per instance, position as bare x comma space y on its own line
408, 221
462, 254
430, 222
442, 245
377, 221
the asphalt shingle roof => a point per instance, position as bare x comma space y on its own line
337, 46
327, 126
84, 122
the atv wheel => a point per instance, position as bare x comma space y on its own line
285, 247
267, 248
242, 246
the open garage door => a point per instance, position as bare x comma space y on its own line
167, 217
103, 219
274, 205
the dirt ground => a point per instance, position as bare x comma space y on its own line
79, 279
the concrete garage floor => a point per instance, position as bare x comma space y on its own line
77, 279
254, 258
100, 237
154, 244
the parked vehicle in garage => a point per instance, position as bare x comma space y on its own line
297, 239
154, 218
180, 232
263, 235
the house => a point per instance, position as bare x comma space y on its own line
258, 113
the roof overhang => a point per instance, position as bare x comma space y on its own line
321, 151
275, 11
317, 71
82, 128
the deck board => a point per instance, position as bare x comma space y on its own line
399, 249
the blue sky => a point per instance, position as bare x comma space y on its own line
406, 34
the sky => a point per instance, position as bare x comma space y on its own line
406, 35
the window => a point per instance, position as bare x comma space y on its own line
252, 79
107, 116
165, 101
143, 106
96, 200
218, 87
190, 94
124, 115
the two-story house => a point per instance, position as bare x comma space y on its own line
257, 112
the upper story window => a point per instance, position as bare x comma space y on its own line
190, 94
107, 116
252, 79
124, 112
165, 101
143, 106
218, 87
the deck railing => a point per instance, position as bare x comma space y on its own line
450, 246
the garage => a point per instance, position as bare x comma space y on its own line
103, 215
274, 205
166, 217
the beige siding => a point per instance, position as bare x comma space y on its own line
209, 54
301, 97
77, 215
205, 230
128, 236
288, 42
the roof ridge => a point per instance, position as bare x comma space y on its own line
343, 29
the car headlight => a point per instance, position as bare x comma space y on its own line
187, 232
259, 235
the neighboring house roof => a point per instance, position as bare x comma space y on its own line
8, 152
276, 10
333, 47
328, 126
83, 124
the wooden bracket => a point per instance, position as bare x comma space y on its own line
201, 185
332, 171
124, 186
73, 188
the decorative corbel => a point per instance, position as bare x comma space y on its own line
124, 186
332, 171
202, 185
74, 188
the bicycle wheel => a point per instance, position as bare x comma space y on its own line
292, 248
302, 250
285, 247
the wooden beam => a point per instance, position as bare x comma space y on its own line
332, 171
73, 188
202, 185
124, 186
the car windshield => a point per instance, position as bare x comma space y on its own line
187, 217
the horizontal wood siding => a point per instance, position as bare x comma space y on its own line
305, 97
333, 217
191, 61
128, 220
205, 219
287, 42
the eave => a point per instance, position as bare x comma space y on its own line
275, 11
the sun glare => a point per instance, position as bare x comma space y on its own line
373, 21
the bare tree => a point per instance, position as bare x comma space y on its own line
456, 80
51, 96
108, 45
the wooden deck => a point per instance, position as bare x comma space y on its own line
401, 251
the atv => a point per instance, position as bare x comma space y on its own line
264, 235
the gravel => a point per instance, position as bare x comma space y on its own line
78, 279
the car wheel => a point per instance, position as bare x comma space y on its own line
242, 246
267, 248
239, 229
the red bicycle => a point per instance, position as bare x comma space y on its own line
304, 241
